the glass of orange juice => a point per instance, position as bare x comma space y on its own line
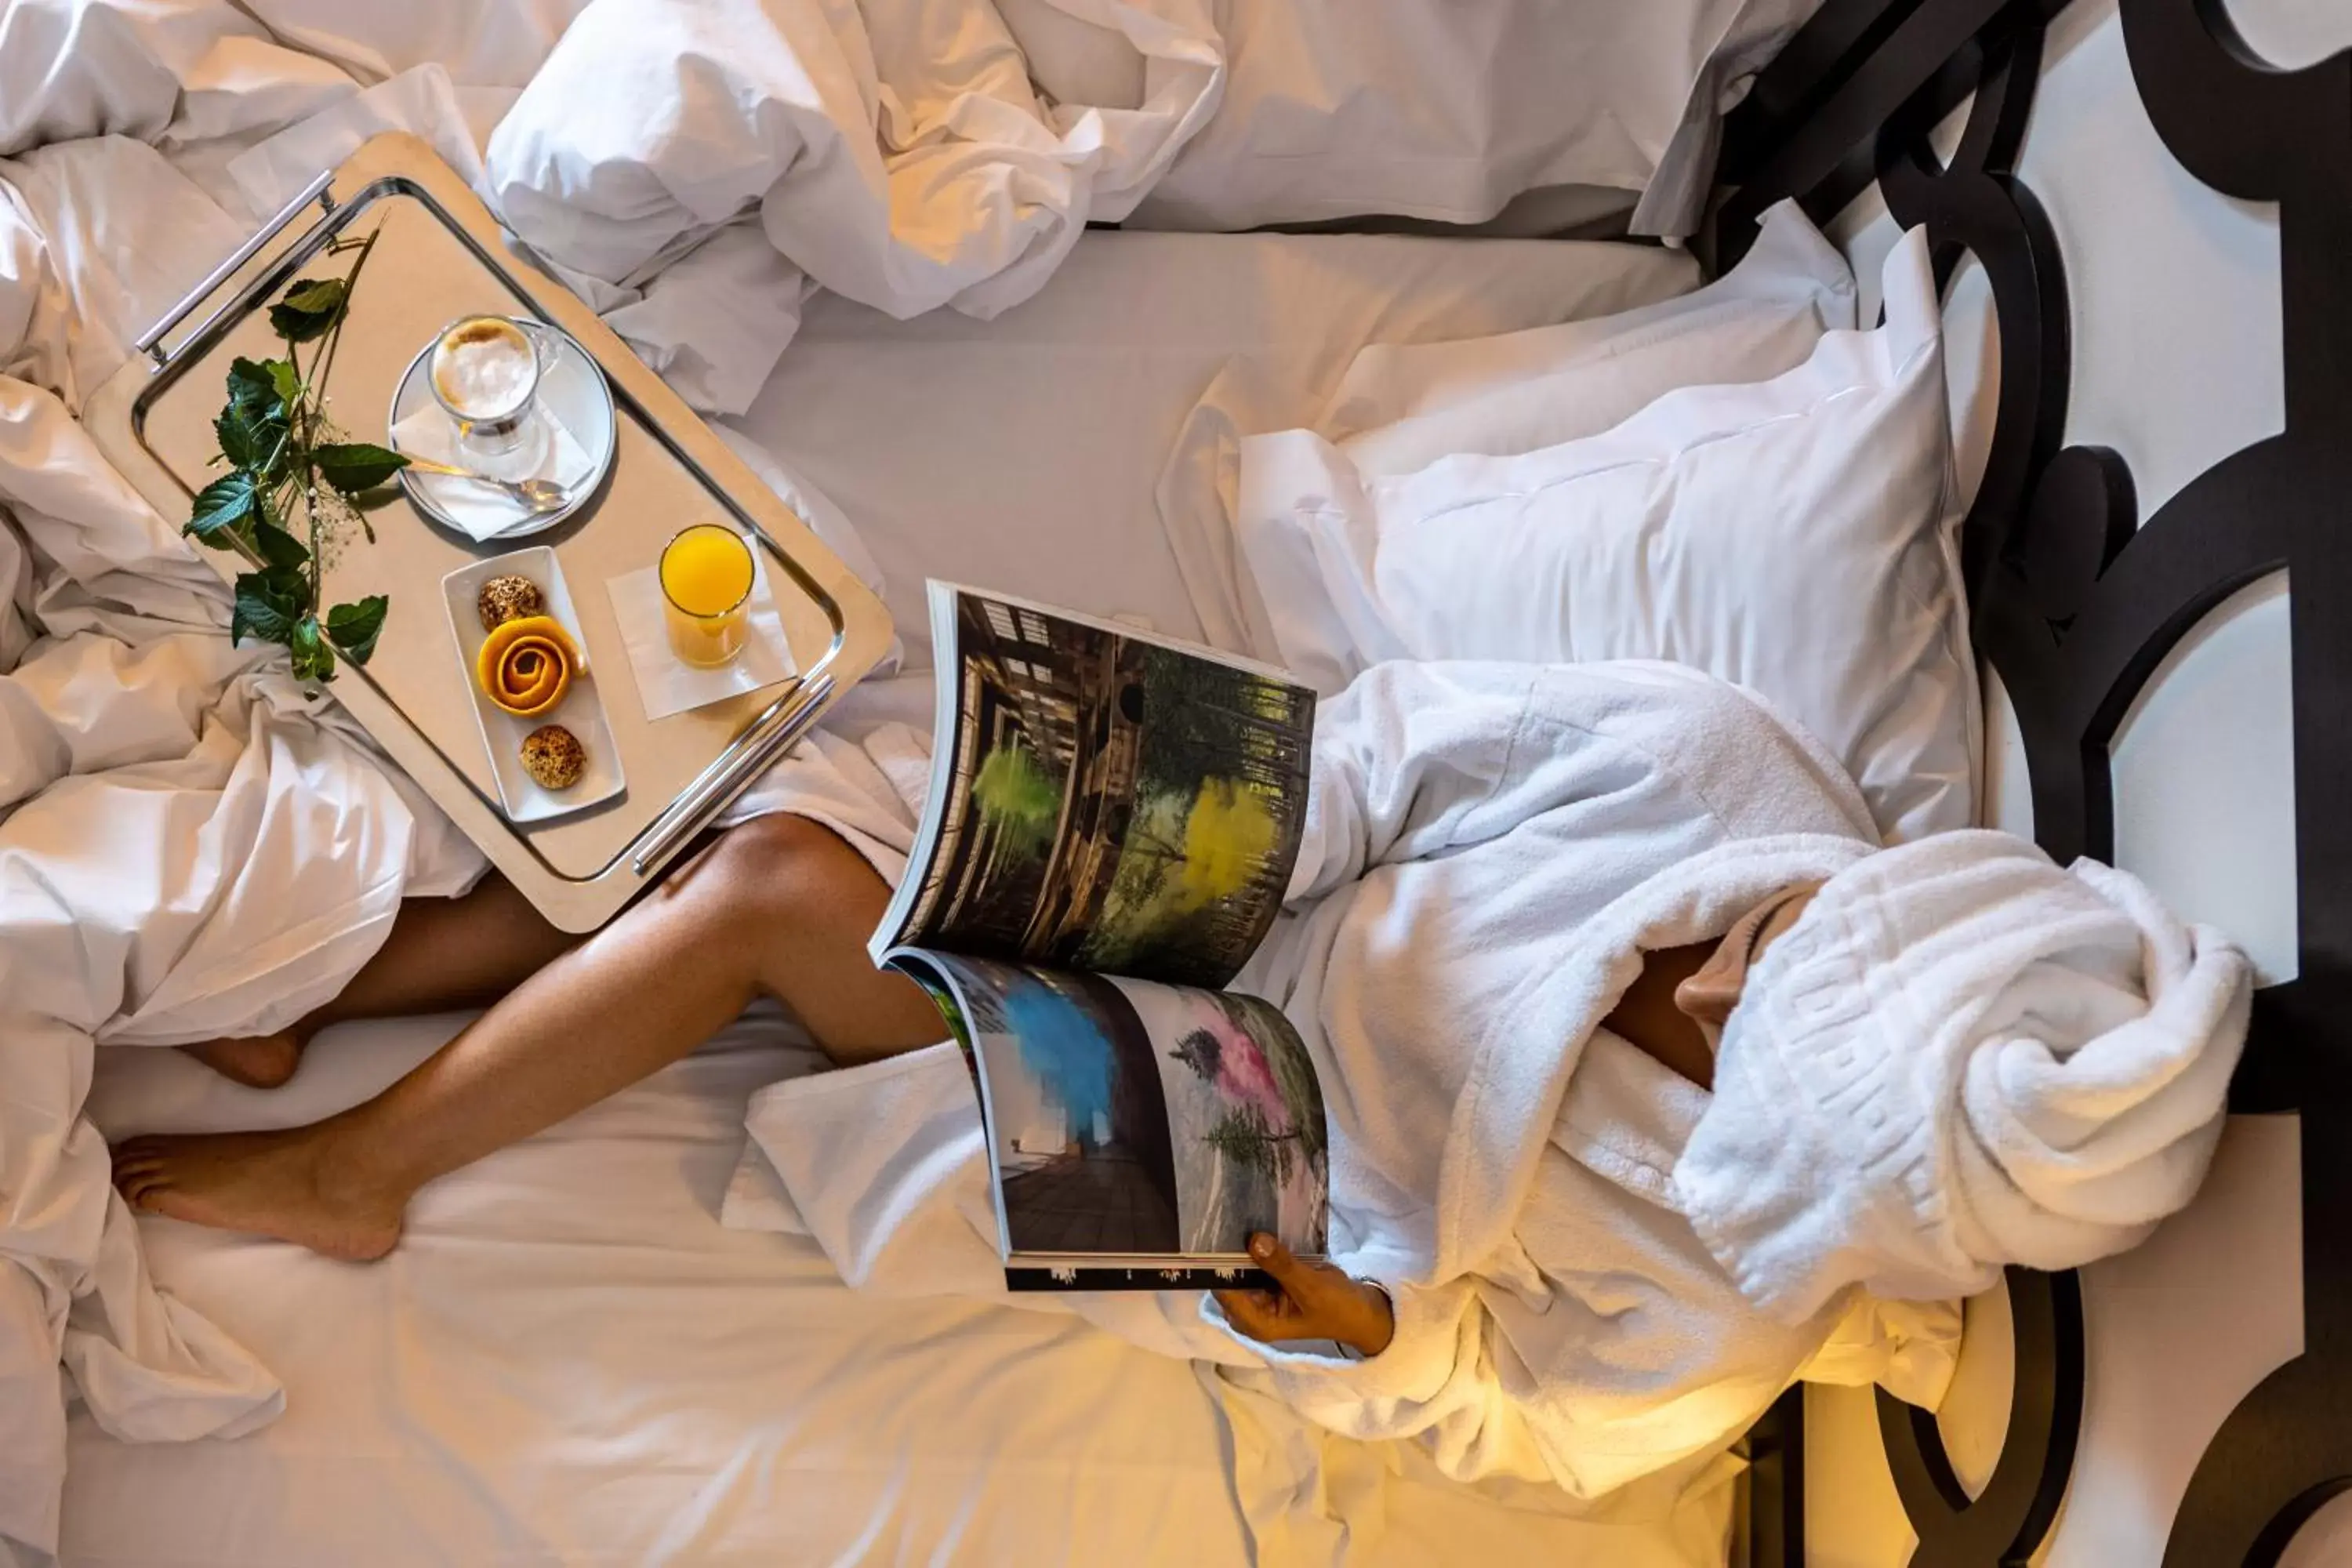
706, 578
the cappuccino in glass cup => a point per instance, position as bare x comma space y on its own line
484, 373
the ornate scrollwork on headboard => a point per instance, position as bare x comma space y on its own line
2259, 134
2076, 604
1977, 206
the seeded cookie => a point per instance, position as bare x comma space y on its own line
552, 756
507, 598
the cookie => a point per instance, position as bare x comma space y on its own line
552, 756
506, 599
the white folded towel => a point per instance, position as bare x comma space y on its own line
1963, 1057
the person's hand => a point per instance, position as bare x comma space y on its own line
1311, 1301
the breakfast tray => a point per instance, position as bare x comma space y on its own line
441, 254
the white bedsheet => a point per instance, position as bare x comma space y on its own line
1034, 453
569, 1360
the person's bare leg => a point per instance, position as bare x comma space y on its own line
779, 905
442, 953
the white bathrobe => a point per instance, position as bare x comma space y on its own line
1489, 849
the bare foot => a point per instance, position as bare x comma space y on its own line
263, 1061
288, 1184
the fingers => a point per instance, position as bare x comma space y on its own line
1291, 1310
1299, 1279
1313, 1286
1261, 1314
1322, 1301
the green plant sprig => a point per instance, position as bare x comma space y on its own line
271, 437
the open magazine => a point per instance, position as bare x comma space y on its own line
1112, 822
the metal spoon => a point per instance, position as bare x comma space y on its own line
538, 497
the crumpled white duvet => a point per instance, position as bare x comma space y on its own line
189, 845
186, 841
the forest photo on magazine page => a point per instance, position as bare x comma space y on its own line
1115, 804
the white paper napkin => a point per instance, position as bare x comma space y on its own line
484, 511
667, 684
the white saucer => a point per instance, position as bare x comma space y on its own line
573, 388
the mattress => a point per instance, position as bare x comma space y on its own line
1025, 453
568, 1359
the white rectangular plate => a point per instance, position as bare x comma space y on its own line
582, 712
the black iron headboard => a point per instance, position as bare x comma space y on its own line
2075, 602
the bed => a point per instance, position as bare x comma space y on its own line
571, 1362
557, 1369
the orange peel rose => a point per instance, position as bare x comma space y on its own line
525, 666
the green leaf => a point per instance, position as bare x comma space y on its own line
356, 465
356, 627
256, 430
255, 445
264, 612
236, 439
221, 507
290, 584
280, 548
273, 447
308, 308
313, 659
317, 296
253, 387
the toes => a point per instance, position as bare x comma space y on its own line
140, 1167
136, 1191
129, 1179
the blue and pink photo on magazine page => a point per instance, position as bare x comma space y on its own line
1245, 1117
1130, 1117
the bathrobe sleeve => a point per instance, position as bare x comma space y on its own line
1438, 1380
1415, 760
1412, 758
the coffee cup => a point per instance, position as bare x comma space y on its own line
485, 373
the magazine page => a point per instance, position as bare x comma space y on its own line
1101, 799
1135, 1125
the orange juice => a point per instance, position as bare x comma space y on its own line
706, 578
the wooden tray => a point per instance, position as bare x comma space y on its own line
441, 254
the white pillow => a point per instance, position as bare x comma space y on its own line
1795, 536
1334, 109
1406, 407
1403, 405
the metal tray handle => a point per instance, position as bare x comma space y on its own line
763, 739
150, 341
